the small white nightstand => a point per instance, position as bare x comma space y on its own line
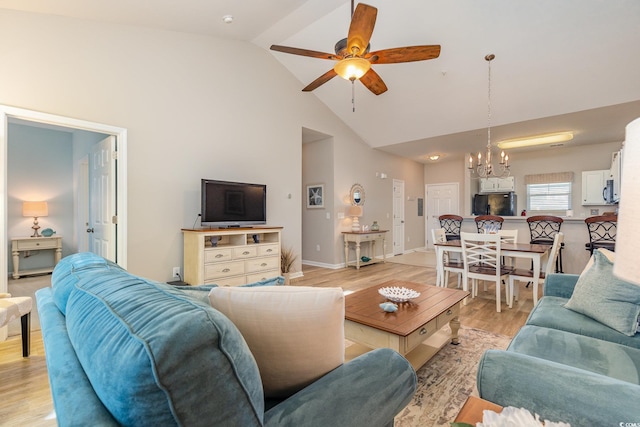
25, 244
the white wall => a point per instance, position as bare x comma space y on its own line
194, 107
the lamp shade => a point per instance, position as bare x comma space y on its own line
352, 68
35, 209
355, 211
626, 264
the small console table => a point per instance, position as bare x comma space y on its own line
26, 244
359, 237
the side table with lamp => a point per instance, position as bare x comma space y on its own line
35, 242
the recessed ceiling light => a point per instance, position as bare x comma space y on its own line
227, 19
434, 157
549, 138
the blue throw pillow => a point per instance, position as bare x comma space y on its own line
605, 298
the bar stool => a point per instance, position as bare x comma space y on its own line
602, 232
488, 220
451, 225
543, 230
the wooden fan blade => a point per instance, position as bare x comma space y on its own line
404, 54
304, 52
373, 82
361, 28
320, 80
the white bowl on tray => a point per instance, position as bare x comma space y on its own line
398, 294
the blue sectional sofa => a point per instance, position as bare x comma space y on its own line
566, 366
124, 350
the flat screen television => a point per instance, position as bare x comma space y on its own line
232, 204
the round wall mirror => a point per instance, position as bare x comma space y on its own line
357, 195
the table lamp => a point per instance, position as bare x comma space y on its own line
626, 265
355, 212
35, 209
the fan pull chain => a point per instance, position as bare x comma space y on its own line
353, 95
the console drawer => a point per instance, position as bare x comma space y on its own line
263, 275
217, 255
217, 270
262, 264
232, 281
36, 244
265, 250
245, 252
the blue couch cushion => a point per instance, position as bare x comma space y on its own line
551, 313
156, 357
602, 357
605, 298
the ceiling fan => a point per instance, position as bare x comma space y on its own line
353, 55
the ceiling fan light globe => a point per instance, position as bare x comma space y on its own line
352, 68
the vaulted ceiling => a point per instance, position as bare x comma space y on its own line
560, 64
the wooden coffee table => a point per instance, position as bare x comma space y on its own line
415, 330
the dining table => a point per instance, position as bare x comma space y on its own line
530, 251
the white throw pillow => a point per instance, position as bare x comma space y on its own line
296, 333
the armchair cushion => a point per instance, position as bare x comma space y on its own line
605, 298
296, 333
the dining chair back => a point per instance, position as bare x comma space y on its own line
602, 232
542, 230
449, 265
508, 236
525, 275
488, 222
481, 257
451, 225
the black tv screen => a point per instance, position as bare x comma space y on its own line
232, 204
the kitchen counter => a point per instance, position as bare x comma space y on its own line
574, 255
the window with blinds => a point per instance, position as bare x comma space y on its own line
549, 192
549, 197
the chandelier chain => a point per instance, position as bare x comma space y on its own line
484, 167
489, 108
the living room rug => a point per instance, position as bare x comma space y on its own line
445, 381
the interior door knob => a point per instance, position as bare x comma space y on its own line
89, 230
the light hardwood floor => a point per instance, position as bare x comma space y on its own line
25, 397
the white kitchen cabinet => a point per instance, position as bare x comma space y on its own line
497, 185
593, 183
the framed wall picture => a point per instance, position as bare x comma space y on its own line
315, 196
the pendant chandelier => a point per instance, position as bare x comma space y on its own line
484, 167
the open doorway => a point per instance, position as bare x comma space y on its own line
15, 115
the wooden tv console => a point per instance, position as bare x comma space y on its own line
231, 256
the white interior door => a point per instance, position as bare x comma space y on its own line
398, 217
441, 199
82, 205
103, 215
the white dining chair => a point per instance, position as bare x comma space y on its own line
524, 275
449, 265
481, 256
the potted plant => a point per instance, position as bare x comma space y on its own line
287, 258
